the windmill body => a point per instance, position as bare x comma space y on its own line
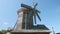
25, 19
24, 22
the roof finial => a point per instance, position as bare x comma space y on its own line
53, 30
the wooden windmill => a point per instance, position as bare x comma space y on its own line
25, 21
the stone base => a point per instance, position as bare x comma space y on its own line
30, 33
40, 29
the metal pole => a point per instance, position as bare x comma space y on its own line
53, 30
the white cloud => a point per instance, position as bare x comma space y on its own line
5, 23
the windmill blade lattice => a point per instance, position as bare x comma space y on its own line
36, 13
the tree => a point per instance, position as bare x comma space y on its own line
3, 32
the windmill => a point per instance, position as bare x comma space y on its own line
24, 24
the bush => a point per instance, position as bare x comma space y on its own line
2, 32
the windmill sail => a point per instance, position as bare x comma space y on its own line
36, 13
38, 17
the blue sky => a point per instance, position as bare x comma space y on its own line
50, 13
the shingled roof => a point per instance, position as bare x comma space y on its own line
41, 27
28, 7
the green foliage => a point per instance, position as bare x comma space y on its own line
2, 32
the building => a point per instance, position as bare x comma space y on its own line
24, 24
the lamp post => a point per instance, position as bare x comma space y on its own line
9, 30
